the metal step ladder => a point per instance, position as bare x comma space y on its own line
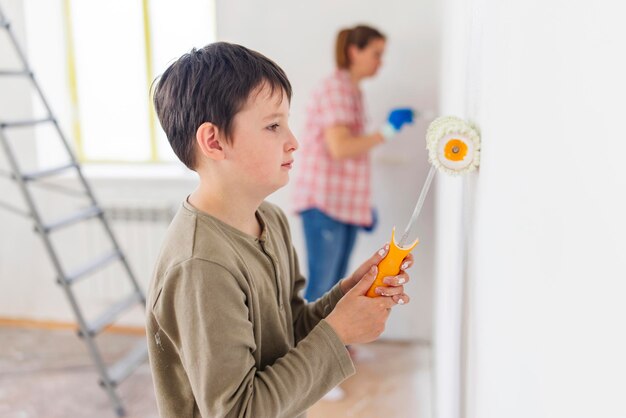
110, 374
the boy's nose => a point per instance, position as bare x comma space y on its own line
292, 144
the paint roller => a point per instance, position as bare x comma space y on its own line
453, 148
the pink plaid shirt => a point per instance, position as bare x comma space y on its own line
339, 188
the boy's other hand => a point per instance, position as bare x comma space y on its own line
395, 283
361, 319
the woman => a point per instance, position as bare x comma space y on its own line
333, 187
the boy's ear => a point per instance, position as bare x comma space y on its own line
208, 142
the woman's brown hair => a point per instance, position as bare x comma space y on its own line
360, 36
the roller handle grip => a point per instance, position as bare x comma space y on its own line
390, 265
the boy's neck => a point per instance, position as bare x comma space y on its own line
228, 208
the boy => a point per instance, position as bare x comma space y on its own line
228, 333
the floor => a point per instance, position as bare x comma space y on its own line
48, 374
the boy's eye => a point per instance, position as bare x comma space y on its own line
273, 127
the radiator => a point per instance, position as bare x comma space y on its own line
139, 228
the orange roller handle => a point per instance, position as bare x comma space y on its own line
390, 265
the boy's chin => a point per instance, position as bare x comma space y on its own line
282, 184
274, 187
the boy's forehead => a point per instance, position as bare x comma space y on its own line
267, 96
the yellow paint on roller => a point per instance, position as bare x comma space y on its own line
446, 133
455, 149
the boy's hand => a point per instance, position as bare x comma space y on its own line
361, 319
395, 283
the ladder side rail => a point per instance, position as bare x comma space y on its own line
74, 160
123, 259
44, 101
106, 380
34, 213
2, 18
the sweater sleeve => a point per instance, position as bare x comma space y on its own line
202, 309
307, 315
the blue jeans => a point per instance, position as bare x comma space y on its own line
329, 244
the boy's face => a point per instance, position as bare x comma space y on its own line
259, 156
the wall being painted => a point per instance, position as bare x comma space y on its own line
544, 273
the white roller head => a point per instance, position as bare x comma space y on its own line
453, 145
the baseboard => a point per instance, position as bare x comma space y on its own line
60, 325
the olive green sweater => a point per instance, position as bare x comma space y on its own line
228, 332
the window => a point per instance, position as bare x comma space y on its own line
113, 51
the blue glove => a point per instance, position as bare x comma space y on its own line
399, 117
396, 119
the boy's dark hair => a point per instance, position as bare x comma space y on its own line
210, 84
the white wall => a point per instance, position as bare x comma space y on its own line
16, 266
300, 37
545, 334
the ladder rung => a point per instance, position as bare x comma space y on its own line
125, 366
15, 209
83, 271
106, 318
22, 123
48, 172
88, 213
15, 72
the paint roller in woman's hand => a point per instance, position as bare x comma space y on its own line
454, 148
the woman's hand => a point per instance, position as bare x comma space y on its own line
396, 120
